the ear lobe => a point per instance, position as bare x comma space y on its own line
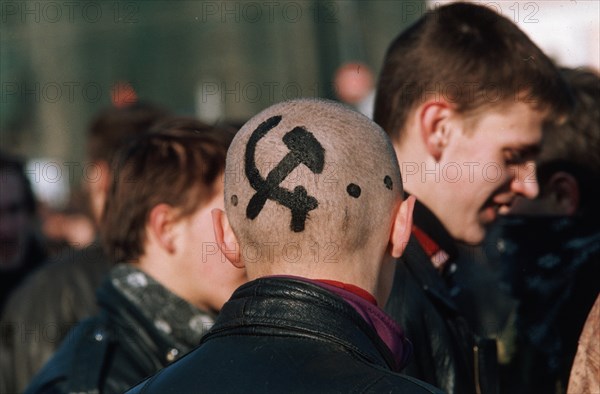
564, 191
226, 239
160, 226
435, 130
402, 227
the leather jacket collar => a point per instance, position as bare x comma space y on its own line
270, 306
427, 222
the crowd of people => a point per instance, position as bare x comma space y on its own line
455, 249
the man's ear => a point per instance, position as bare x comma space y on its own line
402, 227
563, 191
160, 225
435, 127
226, 239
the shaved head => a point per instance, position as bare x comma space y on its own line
311, 179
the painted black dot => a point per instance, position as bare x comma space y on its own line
353, 190
388, 182
234, 200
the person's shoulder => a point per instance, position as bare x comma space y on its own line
74, 262
70, 264
382, 382
373, 378
71, 269
404, 387
397, 383
76, 364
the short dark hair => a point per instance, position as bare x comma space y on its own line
574, 146
113, 127
472, 56
178, 163
16, 165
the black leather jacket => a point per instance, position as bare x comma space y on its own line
107, 353
447, 353
41, 312
279, 335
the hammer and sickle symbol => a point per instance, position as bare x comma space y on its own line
304, 149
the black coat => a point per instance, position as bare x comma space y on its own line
284, 335
41, 312
553, 267
447, 354
107, 353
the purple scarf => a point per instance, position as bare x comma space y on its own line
388, 330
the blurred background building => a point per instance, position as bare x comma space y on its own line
61, 61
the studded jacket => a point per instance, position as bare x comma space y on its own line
141, 328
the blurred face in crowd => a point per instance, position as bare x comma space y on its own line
353, 82
15, 221
495, 153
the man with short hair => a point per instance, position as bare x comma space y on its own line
463, 94
315, 213
170, 282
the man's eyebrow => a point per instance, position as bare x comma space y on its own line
525, 152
